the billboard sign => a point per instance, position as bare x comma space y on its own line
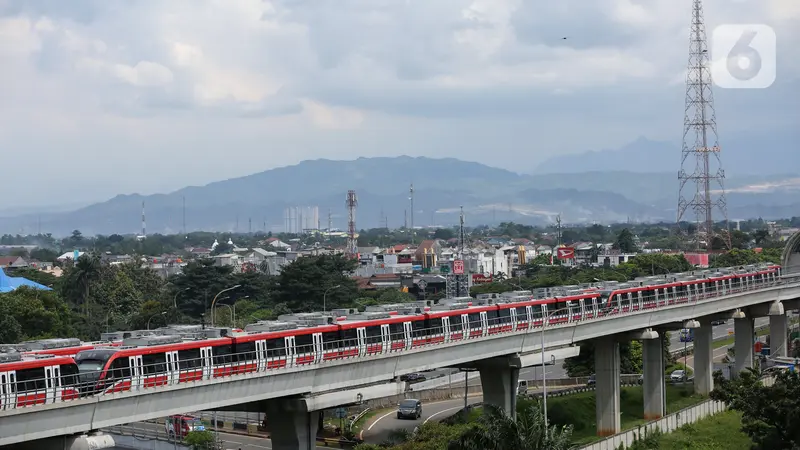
566, 253
479, 278
458, 267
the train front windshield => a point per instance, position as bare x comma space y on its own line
91, 363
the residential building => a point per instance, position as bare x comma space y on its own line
613, 258
13, 262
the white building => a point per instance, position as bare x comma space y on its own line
299, 218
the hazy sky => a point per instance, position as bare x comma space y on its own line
120, 96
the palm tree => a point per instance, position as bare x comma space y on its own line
497, 431
87, 271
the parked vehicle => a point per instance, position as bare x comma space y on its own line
522, 387
409, 408
181, 425
677, 376
592, 380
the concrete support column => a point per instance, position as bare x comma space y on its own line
704, 359
653, 383
778, 331
606, 363
291, 426
499, 379
743, 345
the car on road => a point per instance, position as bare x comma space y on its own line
677, 376
412, 377
640, 379
522, 387
591, 381
718, 322
409, 408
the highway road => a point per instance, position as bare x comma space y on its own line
229, 441
379, 427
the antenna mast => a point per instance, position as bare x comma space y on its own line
700, 141
352, 243
411, 197
144, 226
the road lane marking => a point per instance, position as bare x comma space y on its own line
441, 412
394, 411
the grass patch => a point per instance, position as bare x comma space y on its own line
579, 410
730, 340
719, 432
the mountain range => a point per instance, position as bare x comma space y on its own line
595, 187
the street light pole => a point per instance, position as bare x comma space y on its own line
175, 298
325, 296
215, 300
546, 321
154, 315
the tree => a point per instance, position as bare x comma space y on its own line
625, 242
770, 414
77, 282
497, 431
201, 440
444, 234
30, 313
197, 285
303, 284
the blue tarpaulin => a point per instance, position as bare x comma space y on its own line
8, 284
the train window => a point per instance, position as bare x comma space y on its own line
522, 313
418, 328
435, 326
189, 359
491, 317
30, 379
120, 368
475, 320
374, 334
349, 338
536, 311
222, 354
2, 385
154, 363
276, 348
396, 331
503, 316
331, 340
455, 324
246, 351
304, 343
69, 374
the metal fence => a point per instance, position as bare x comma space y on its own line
666, 424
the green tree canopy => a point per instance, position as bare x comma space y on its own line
770, 414
625, 242
303, 283
497, 431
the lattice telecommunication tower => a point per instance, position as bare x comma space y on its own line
701, 177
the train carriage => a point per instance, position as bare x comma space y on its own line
36, 380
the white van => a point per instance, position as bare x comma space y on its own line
522, 386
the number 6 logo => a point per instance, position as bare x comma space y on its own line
744, 56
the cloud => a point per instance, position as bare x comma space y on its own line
86, 84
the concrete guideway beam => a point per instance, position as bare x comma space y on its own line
334, 399
100, 412
704, 359
607, 386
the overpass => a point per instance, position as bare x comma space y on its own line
293, 396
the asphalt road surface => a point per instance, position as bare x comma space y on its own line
229, 441
380, 426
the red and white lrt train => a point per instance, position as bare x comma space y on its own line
311, 338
